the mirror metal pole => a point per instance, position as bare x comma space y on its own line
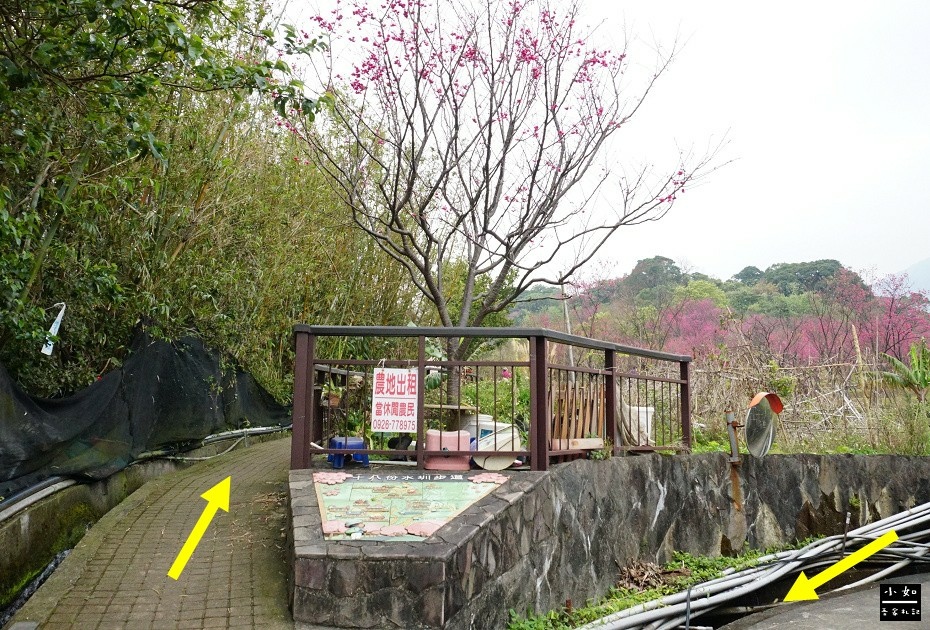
731, 431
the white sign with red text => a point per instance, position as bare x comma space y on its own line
394, 400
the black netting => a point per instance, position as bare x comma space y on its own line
164, 396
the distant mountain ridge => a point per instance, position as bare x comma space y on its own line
919, 275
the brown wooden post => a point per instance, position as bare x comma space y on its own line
685, 404
539, 413
610, 402
421, 411
303, 393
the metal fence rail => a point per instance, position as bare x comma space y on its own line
541, 406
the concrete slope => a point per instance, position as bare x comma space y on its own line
858, 608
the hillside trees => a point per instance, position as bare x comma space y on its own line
154, 187
749, 275
653, 273
791, 278
826, 351
688, 313
83, 88
472, 134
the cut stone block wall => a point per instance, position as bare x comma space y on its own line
543, 538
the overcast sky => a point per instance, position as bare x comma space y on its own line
825, 106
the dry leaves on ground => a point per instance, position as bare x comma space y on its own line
645, 575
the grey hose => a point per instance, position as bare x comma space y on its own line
673, 610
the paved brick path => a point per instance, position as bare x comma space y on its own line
117, 575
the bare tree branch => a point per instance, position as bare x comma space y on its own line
467, 135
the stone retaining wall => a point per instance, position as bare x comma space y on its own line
543, 538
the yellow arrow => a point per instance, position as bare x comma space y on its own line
805, 589
217, 499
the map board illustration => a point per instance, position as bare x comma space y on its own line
404, 506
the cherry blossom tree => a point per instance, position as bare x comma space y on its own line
842, 306
473, 133
900, 317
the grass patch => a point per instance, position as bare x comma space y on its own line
640, 583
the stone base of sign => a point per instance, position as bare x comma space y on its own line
416, 584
